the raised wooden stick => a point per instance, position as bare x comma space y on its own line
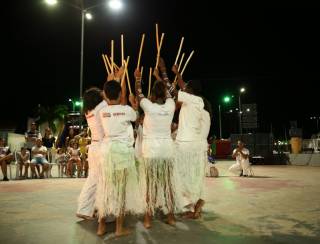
112, 55
180, 63
140, 51
125, 69
150, 77
185, 65
180, 47
157, 37
108, 62
141, 70
105, 64
127, 75
122, 50
158, 55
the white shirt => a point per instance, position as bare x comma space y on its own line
239, 157
94, 122
157, 119
37, 151
205, 127
190, 117
116, 122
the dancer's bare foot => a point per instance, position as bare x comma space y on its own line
188, 215
84, 217
147, 221
123, 232
102, 228
198, 209
171, 220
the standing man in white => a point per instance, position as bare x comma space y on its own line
242, 165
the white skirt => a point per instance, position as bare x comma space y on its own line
118, 189
190, 166
157, 172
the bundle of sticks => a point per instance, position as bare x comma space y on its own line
111, 66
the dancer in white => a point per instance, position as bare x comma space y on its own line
93, 103
157, 150
118, 188
242, 165
189, 145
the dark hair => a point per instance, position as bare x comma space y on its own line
195, 87
91, 98
207, 106
159, 90
112, 89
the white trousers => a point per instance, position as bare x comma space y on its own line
243, 165
86, 200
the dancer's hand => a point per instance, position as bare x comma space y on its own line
156, 74
137, 73
175, 69
162, 65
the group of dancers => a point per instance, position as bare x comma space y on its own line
151, 171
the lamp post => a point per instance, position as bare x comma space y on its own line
113, 4
242, 90
226, 99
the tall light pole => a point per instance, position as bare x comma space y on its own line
113, 4
242, 90
226, 99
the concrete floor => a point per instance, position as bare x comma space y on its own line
280, 205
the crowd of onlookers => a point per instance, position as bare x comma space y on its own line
40, 152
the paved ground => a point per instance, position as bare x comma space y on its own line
280, 205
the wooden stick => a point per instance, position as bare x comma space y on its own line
141, 71
122, 50
180, 47
185, 65
115, 65
140, 51
105, 64
125, 69
127, 75
158, 55
150, 77
112, 55
157, 37
108, 61
180, 63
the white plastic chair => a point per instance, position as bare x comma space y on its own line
13, 164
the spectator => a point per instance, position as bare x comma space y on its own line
23, 160
70, 136
84, 142
5, 158
31, 136
74, 158
61, 160
39, 154
48, 141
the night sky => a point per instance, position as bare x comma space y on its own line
274, 53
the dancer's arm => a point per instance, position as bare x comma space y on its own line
138, 87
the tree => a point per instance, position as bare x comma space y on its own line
52, 115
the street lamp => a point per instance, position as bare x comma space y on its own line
242, 90
226, 99
51, 2
73, 105
113, 4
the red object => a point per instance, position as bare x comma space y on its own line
223, 148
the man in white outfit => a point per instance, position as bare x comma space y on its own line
242, 165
